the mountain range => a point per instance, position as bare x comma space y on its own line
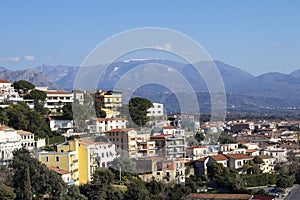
269, 92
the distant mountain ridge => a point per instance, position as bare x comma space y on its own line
270, 91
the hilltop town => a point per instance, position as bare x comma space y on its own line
84, 135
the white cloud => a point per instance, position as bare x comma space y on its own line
28, 57
164, 46
11, 59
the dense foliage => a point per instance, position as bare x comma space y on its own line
138, 110
28, 179
21, 117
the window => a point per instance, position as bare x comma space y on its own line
56, 159
157, 173
61, 150
47, 159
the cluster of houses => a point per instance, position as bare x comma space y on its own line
161, 151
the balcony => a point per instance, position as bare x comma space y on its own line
74, 170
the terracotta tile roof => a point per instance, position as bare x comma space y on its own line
161, 136
4, 81
196, 146
56, 92
195, 196
251, 150
219, 157
57, 170
117, 130
238, 156
168, 127
21, 132
108, 119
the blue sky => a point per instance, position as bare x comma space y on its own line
256, 36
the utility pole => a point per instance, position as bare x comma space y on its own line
120, 174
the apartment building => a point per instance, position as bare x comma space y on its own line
64, 158
268, 164
109, 99
11, 140
60, 124
161, 170
131, 144
156, 111
81, 158
8, 92
196, 152
29, 141
170, 146
92, 155
280, 154
101, 125
55, 99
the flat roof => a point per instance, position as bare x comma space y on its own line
219, 196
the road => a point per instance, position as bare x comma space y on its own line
294, 194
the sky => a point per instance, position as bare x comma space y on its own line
256, 36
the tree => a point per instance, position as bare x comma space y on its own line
32, 178
138, 110
39, 98
100, 187
214, 170
127, 166
137, 191
98, 108
21, 117
199, 136
6, 192
285, 181
67, 112
23, 86
37, 95
257, 160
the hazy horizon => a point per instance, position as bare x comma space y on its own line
256, 36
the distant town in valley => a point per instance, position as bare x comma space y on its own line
87, 144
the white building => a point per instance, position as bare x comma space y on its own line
29, 141
101, 125
172, 130
9, 141
57, 123
156, 111
56, 99
8, 92
105, 152
196, 152
280, 154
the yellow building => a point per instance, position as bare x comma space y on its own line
110, 99
65, 158
81, 158
92, 155
268, 164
